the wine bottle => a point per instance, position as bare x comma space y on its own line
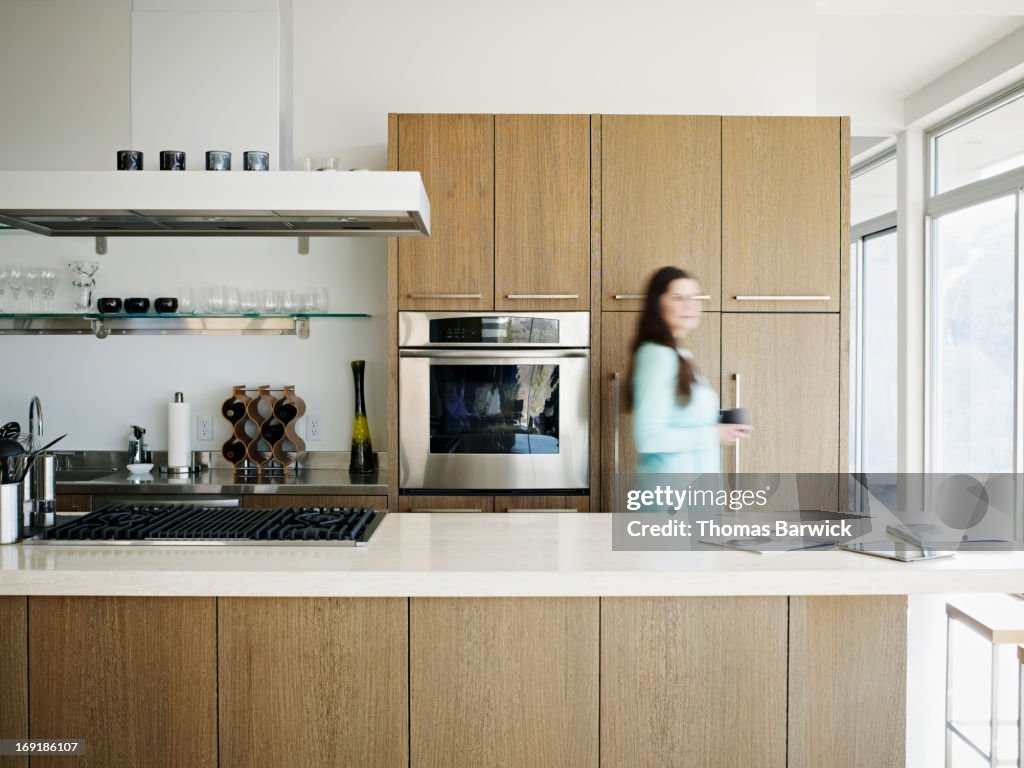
361, 462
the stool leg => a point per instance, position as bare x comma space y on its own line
1020, 717
949, 692
994, 714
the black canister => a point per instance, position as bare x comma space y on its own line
257, 161
129, 160
218, 160
172, 160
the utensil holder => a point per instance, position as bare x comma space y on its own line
11, 521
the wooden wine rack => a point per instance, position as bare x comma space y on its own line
263, 436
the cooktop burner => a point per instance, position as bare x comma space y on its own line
196, 524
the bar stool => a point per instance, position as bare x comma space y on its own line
999, 619
1020, 708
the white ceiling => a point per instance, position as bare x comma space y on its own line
872, 54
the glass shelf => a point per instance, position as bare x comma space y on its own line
199, 324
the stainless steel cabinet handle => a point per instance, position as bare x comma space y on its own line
737, 405
567, 509
615, 422
541, 296
624, 296
782, 298
440, 509
445, 296
519, 353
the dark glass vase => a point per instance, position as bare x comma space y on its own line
362, 450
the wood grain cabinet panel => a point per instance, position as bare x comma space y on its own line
789, 380
313, 682
455, 156
661, 203
697, 681
13, 675
617, 332
135, 677
73, 502
284, 501
445, 503
542, 212
541, 503
847, 681
504, 683
781, 212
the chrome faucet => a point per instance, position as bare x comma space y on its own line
35, 411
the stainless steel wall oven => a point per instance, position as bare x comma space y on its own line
494, 401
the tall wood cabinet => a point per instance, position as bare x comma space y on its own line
510, 212
13, 675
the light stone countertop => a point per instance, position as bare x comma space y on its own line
453, 554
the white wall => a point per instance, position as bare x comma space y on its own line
353, 63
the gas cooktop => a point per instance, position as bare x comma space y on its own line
195, 524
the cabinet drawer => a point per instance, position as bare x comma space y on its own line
541, 503
281, 501
445, 503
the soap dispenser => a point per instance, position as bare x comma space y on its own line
137, 452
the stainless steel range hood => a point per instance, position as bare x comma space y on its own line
212, 203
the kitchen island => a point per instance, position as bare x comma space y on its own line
465, 640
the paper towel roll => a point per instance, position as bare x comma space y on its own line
179, 418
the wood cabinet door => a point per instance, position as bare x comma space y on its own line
134, 677
504, 683
542, 212
788, 368
542, 503
661, 204
781, 217
693, 681
13, 675
454, 267
618, 329
847, 681
314, 682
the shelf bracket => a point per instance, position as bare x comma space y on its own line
302, 327
100, 328
101, 245
304, 245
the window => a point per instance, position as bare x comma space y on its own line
873, 189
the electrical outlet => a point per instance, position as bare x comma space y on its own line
314, 429
204, 430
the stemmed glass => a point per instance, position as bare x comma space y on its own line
83, 271
48, 285
4, 272
14, 283
31, 283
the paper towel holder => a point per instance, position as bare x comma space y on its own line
187, 469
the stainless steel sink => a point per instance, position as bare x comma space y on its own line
81, 474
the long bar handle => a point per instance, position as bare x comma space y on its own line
541, 296
615, 422
736, 378
443, 509
445, 296
515, 509
631, 296
782, 298
518, 353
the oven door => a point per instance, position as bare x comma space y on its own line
494, 419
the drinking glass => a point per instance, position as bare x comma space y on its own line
271, 301
230, 299
215, 299
14, 277
318, 299
290, 301
4, 272
185, 304
31, 284
305, 301
247, 303
84, 271
48, 285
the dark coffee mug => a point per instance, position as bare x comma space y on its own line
165, 305
257, 161
734, 416
172, 160
136, 306
129, 160
108, 305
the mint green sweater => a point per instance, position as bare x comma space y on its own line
669, 436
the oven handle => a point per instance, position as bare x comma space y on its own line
475, 354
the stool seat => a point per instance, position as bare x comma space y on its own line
997, 618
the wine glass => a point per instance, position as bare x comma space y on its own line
83, 271
48, 285
31, 284
14, 275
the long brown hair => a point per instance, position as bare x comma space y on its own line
653, 328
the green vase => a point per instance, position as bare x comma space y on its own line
361, 462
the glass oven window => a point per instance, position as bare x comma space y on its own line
509, 409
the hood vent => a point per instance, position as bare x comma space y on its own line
211, 203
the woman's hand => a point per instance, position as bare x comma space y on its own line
729, 434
